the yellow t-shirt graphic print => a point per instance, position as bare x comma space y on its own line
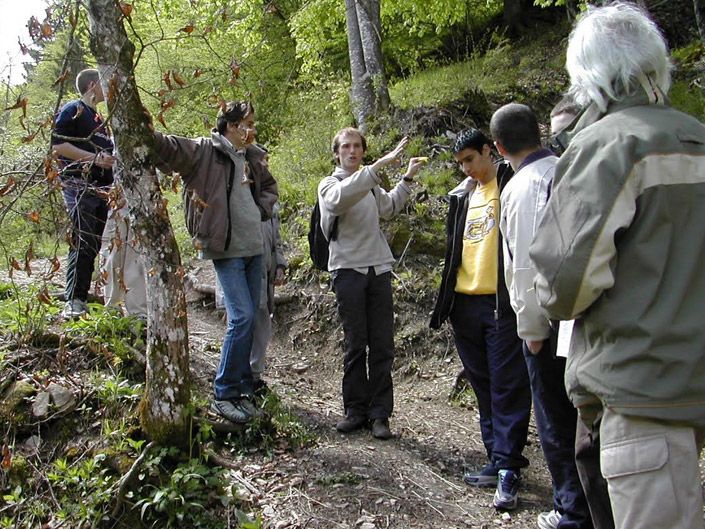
478, 267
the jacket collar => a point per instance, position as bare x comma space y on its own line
649, 95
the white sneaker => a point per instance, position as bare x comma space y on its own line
549, 520
74, 308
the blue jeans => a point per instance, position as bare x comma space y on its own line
240, 278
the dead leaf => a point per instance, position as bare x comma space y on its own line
55, 265
167, 80
28, 256
188, 29
21, 103
29, 138
235, 71
160, 119
168, 103
6, 458
8, 187
179, 80
126, 9
152, 271
47, 30
43, 296
60, 79
197, 73
33, 216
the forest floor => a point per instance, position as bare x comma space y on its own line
355, 481
347, 481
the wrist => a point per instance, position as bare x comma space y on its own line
408, 179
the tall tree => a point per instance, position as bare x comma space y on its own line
164, 411
369, 81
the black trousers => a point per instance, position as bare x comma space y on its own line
555, 421
88, 214
366, 310
587, 459
494, 365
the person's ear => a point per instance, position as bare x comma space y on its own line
500, 148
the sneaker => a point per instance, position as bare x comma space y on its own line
233, 410
506, 496
549, 520
251, 408
487, 477
74, 308
351, 423
380, 429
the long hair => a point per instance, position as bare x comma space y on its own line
613, 51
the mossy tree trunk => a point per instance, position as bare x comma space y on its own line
164, 411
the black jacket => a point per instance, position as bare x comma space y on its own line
457, 213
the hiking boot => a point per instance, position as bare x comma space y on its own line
233, 410
74, 308
549, 520
251, 408
380, 429
506, 497
486, 477
351, 423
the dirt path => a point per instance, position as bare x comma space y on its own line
348, 481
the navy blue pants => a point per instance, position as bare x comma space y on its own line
556, 420
88, 214
367, 312
491, 354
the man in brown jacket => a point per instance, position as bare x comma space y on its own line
228, 191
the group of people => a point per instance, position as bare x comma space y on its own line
572, 282
230, 207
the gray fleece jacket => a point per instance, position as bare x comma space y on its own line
360, 242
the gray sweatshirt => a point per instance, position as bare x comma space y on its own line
246, 231
360, 242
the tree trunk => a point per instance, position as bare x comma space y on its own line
572, 8
368, 16
164, 410
699, 8
362, 93
369, 82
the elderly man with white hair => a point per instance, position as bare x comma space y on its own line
621, 248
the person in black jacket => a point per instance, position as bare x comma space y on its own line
475, 298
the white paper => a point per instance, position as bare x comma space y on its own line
565, 333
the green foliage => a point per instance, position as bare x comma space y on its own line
688, 98
83, 489
278, 428
108, 332
24, 311
182, 494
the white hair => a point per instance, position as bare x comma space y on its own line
613, 51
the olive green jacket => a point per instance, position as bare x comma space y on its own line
621, 247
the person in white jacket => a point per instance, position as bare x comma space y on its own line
516, 133
360, 262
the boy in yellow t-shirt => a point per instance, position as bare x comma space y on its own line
475, 299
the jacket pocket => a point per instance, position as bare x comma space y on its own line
634, 456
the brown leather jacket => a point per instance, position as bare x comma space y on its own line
206, 172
